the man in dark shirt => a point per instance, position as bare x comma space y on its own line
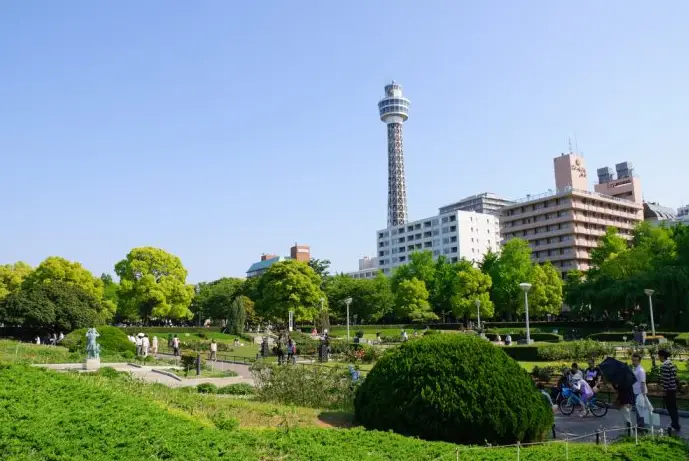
668, 379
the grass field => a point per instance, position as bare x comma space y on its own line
50, 416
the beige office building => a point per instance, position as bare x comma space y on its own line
563, 225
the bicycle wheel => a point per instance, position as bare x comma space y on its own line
599, 409
566, 406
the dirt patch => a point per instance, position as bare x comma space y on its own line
337, 419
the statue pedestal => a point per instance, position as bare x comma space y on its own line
92, 364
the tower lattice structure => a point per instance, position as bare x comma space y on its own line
394, 111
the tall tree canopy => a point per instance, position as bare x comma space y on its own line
56, 306
289, 286
411, 301
371, 298
56, 269
153, 285
214, 299
12, 276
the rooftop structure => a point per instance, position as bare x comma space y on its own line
368, 268
625, 185
297, 252
487, 203
656, 212
394, 111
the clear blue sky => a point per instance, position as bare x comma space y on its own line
219, 130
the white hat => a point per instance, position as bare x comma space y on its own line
140, 335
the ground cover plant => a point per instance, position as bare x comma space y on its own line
49, 416
317, 387
455, 388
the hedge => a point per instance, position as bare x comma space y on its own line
453, 388
682, 339
112, 340
535, 336
573, 350
613, 336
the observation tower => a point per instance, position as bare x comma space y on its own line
394, 111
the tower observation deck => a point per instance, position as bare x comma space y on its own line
394, 111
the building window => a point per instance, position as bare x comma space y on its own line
453, 250
453, 218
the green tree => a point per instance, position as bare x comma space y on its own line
237, 315
214, 300
110, 289
55, 268
57, 306
609, 247
153, 285
411, 301
511, 268
321, 267
421, 267
471, 285
443, 288
12, 276
289, 286
371, 298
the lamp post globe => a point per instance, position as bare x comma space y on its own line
525, 288
649, 292
478, 313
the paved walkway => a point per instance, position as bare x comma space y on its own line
574, 425
159, 374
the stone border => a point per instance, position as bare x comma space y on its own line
168, 374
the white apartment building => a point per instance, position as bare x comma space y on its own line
455, 235
368, 268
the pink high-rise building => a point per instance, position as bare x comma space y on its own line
564, 225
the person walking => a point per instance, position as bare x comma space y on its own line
593, 375
639, 387
214, 351
139, 343
175, 346
291, 351
145, 345
668, 379
154, 345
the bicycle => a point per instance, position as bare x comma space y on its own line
571, 400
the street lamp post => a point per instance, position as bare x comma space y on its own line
526, 287
649, 293
348, 301
478, 313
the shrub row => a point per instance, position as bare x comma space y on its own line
618, 336
574, 350
519, 336
112, 340
682, 339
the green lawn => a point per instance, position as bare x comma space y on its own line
205, 373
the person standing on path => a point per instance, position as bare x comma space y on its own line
639, 387
139, 344
154, 345
214, 351
668, 379
145, 345
175, 346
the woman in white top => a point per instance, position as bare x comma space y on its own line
154, 345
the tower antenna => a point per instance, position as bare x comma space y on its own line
569, 141
576, 144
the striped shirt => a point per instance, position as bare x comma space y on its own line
668, 376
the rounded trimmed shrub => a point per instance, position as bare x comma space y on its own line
455, 388
112, 340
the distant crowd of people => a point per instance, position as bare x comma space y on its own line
49, 340
144, 344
